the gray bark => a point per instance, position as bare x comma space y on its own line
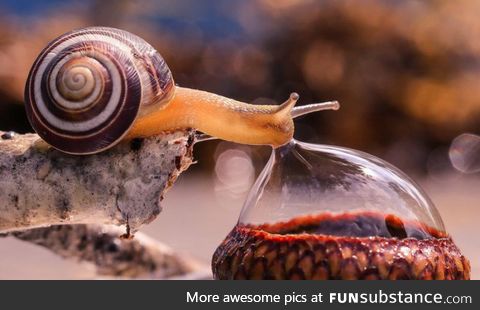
40, 186
113, 256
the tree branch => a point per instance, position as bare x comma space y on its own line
40, 186
140, 257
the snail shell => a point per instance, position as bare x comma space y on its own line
88, 86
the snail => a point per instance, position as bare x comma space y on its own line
93, 87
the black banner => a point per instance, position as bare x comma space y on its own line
240, 294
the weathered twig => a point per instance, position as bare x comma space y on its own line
40, 186
140, 257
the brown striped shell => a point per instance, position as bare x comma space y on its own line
87, 87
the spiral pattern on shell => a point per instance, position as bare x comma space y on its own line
87, 87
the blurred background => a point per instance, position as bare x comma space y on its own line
407, 74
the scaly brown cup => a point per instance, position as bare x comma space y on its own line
289, 250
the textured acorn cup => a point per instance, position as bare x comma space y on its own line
289, 250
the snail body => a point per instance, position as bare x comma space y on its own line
91, 88
221, 117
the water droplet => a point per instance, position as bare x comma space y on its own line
305, 180
465, 153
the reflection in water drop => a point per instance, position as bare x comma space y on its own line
465, 153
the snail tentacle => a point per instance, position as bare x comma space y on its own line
314, 107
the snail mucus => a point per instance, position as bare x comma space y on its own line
91, 88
